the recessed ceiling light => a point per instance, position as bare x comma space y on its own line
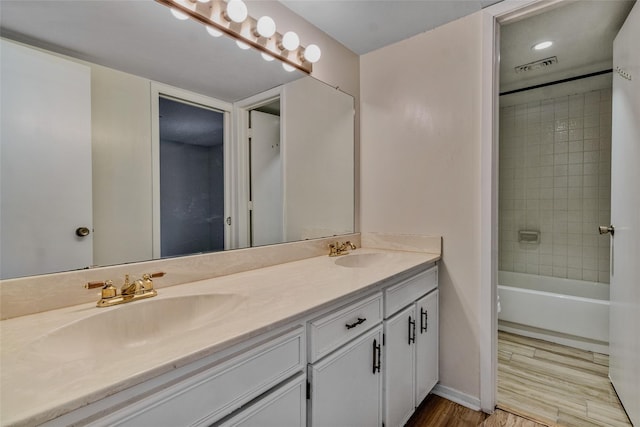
542, 45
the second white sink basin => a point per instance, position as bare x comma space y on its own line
360, 260
133, 325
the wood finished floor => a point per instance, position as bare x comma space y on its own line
438, 412
555, 384
539, 384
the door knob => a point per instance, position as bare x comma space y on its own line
604, 229
82, 231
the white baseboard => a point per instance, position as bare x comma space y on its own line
456, 396
543, 334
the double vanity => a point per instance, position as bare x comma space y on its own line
322, 341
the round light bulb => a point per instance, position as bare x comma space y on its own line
242, 45
237, 10
288, 67
213, 32
290, 40
267, 57
266, 26
179, 15
312, 53
542, 45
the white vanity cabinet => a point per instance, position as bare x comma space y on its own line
410, 345
345, 376
373, 361
264, 377
366, 359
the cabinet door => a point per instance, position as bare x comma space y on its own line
426, 345
346, 386
399, 364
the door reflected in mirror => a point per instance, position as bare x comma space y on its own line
191, 178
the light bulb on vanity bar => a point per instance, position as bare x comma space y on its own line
312, 53
265, 27
236, 11
213, 32
242, 45
178, 14
290, 41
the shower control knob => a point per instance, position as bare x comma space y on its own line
604, 229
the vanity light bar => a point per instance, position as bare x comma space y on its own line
213, 14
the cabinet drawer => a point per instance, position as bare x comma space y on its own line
285, 406
331, 331
216, 392
409, 290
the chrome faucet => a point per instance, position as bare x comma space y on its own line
130, 291
337, 249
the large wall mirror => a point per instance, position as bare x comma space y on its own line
128, 135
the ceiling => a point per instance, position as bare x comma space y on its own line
366, 25
142, 38
582, 33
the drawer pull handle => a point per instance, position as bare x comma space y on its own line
412, 330
424, 320
376, 356
356, 323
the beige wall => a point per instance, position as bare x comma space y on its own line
420, 170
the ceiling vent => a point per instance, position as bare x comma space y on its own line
543, 63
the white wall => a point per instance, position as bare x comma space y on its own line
420, 170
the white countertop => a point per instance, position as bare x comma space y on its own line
37, 385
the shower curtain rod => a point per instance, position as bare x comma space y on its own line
570, 79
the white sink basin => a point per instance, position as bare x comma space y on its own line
133, 325
360, 260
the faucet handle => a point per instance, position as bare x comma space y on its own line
93, 285
333, 249
147, 283
109, 291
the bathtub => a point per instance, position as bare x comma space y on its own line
571, 312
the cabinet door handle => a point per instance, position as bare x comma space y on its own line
424, 320
376, 356
412, 330
356, 323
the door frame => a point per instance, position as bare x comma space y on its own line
181, 95
492, 18
240, 235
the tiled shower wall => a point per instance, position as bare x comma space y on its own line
555, 178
